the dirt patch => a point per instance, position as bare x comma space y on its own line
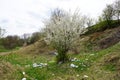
117, 76
4, 53
6, 69
110, 40
40, 47
113, 59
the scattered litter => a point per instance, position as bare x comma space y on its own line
74, 59
27, 65
56, 53
39, 65
53, 74
73, 66
23, 73
24, 79
35, 65
77, 75
84, 65
92, 54
60, 62
85, 76
86, 59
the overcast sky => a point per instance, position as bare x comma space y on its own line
26, 16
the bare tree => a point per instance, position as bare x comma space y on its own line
108, 14
117, 9
26, 38
63, 29
2, 32
90, 22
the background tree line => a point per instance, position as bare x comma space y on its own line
13, 41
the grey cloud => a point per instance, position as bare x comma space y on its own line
35, 15
4, 21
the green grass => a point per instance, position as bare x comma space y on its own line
24, 63
2, 49
101, 26
110, 67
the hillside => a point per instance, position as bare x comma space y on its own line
92, 42
99, 59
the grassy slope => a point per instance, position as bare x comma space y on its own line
99, 65
91, 64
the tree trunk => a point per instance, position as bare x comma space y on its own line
62, 57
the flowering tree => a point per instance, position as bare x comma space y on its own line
63, 29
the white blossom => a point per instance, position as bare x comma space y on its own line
64, 29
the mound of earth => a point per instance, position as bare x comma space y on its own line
102, 40
114, 60
40, 47
6, 69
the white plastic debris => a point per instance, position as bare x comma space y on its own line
23, 73
35, 65
39, 65
53, 74
77, 75
92, 54
45, 64
56, 53
27, 65
85, 76
24, 79
84, 65
60, 62
74, 59
73, 66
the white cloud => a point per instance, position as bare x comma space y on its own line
26, 16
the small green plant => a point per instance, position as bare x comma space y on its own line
110, 67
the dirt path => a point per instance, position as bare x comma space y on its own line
4, 53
